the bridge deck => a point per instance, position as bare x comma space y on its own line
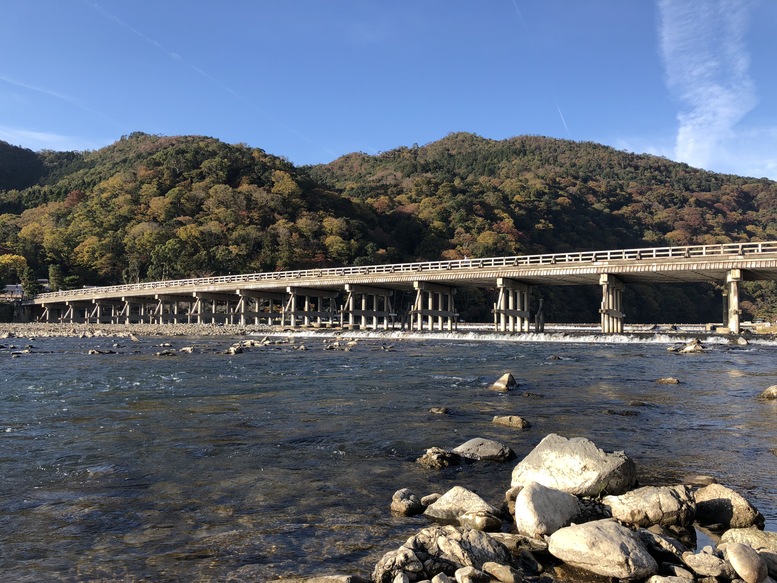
700, 263
310, 297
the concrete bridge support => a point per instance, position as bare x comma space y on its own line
433, 305
206, 308
511, 310
367, 307
612, 304
310, 307
138, 310
733, 278
264, 304
168, 309
106, 311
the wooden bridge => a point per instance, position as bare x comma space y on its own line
362, 296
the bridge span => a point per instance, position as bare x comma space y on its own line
361, 297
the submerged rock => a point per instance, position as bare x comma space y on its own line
479, 448
513, 421
576, 466
406, 503
668, 381
769, 393
504, 383
437, 458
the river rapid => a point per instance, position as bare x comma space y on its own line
281, 462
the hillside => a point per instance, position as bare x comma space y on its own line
153, 207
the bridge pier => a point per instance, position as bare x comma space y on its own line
264, 307
733, 277
511, 310
374, 309
313, 312
612, 304
206, 306
433, 304
98, 314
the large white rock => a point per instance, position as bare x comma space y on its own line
717, 504
576, 466
540, 510
746, 562
603, 547
765, 542
663, 505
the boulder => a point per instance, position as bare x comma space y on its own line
769, 393
603, 547
576, 466
502, 573
764, 542
406, 503
440, 549
540, 510
504, 383
663, 505
718, 505
511, 421
437, 458
708, 564
457, 502
480, 520
669, 579
747, 563
692, 347
484, 449
660, 544
471, 575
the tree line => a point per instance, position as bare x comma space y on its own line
154, 207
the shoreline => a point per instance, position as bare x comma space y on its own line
474, 332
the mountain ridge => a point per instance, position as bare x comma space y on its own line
156, 207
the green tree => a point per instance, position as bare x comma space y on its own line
29, 281
56, 277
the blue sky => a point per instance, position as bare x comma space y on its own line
692, 80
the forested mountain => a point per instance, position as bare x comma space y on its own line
151, 207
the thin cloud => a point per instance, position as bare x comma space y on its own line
706, 64
61, 96
43, 140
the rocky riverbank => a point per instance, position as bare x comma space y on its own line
42, 330
574, 512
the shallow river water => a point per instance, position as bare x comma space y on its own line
132, 466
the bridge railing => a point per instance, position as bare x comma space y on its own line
688, 252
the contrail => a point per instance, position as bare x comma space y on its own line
536, 58
176, 57
66, 98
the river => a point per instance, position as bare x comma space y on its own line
132, 466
